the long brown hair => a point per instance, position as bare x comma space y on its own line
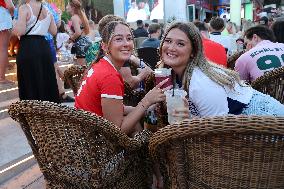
77, 5
220, 75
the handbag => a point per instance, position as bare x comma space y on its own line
74, 48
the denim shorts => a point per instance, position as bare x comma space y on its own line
5, 19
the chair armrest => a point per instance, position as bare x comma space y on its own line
143, 137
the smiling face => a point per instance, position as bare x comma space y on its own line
120, 46
176, 50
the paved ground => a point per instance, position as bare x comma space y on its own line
32, 178
13, 143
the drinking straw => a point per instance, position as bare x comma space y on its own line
174, 82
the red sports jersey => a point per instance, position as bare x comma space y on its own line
2, 4
101, 81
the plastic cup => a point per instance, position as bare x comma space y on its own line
174, 102
162, 74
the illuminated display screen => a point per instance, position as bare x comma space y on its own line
143, 10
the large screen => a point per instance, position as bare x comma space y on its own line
143, 10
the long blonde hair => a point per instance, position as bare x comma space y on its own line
77, 5
220, 75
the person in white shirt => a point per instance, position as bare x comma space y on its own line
212, 90
61, 37
217, 25
158, 11
131, 14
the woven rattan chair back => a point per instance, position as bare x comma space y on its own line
222, 152
271, 83
73, 77
76, 149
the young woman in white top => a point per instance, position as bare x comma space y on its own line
35, 70
213, 90
61, 38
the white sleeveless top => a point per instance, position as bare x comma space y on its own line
41, 27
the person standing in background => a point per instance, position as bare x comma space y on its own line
35, 70
56, 13
80, 28
6, 12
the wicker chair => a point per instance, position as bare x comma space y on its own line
271, 83
76, 149
222, 152
73, 76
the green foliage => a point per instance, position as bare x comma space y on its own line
65, 16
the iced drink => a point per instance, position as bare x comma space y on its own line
162, 74
174, 102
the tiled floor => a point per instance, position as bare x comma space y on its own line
32, 178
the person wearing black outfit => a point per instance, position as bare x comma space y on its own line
140, 31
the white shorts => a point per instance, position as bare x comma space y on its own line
5, 19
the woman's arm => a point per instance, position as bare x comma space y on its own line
125, 72
10, 6
77, 27
19, 28
113, 109
133, 81
52, 27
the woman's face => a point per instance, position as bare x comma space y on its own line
121, 45
69, 8
176, 49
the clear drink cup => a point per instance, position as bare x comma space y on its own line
175, 102
162, 74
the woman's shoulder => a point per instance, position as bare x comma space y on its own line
24, 7
199, 75
201, 82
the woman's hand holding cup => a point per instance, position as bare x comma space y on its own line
156, 94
